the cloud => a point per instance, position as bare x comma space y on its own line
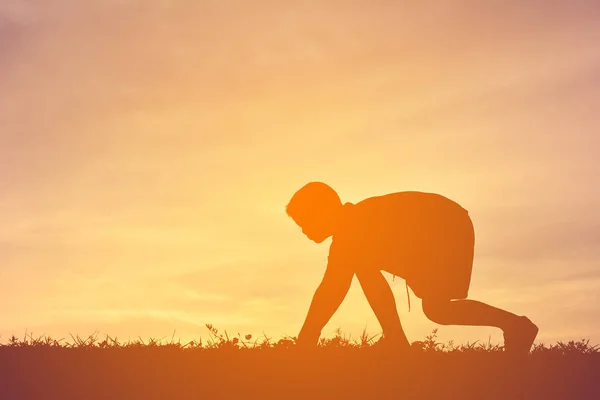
551, 239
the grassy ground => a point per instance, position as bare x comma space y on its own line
227, 367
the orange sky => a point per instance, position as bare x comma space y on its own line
148, 149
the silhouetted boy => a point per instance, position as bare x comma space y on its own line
424, 238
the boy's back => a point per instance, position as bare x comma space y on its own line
422, 237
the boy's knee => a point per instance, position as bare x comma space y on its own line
435, 309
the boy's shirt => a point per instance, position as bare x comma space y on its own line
397, 232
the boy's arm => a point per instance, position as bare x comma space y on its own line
381, 299
328, 297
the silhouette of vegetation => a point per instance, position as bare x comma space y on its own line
222, 340
244, 366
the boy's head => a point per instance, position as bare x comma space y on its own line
315, 208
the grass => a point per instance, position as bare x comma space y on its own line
242, 366
222, 340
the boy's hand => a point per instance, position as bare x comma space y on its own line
395, 345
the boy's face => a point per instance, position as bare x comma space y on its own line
316, 227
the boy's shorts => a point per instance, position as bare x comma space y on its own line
445, 272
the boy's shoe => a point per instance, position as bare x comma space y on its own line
519, 338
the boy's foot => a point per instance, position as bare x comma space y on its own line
519, 338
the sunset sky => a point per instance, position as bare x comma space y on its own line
148, 149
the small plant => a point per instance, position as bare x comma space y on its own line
429, 344
365, 340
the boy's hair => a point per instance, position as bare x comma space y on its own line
312, 196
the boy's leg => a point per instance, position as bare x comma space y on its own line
519, 331
466, 312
